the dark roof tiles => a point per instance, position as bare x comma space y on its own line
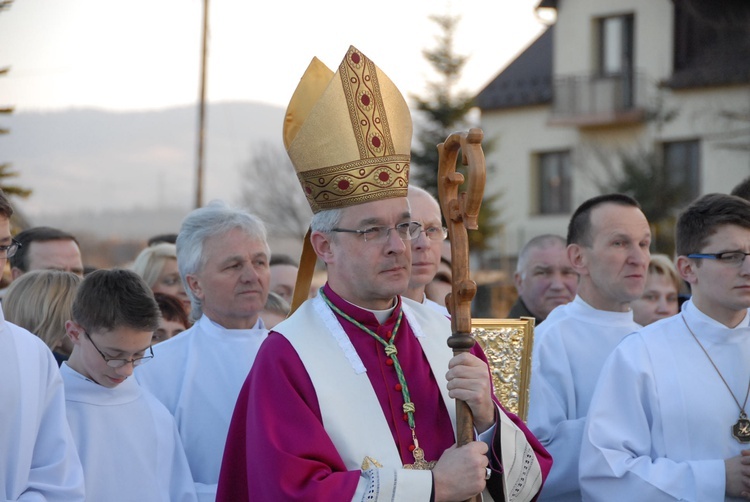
526, 81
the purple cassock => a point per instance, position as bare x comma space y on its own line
278, 448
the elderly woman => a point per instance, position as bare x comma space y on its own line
157, 265
41, 302
660, 297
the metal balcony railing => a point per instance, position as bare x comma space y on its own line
590, 100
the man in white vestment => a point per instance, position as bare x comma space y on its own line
668, 419
126, 439
38, 459
427, 247
608, 245
223, 256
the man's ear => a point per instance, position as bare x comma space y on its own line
321, 244
686, 268
518, 280
74, 332
577, 257
195, 286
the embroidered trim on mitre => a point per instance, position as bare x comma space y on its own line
356, 182
359, 79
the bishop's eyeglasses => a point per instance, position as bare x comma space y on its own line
119, 363
379, 233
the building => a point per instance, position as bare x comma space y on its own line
659, 85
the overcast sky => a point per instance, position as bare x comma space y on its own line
145, 54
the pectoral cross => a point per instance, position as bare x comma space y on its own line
419, 462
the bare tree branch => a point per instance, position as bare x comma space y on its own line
270, 188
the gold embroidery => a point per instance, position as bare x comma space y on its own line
369, 460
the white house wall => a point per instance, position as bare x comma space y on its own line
518, 135
523, 132
575, 34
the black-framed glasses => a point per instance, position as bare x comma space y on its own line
434, 233
379, 233
733, 258
10, 250
119, 363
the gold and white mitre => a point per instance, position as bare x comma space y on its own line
348, 134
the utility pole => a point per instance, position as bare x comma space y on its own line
202, 113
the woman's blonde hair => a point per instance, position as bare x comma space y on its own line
660, 264
150, 262
41, 301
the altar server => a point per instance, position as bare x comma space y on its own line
127, 440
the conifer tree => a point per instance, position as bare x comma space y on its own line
5, 168
443, 111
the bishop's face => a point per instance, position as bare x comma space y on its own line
370, 273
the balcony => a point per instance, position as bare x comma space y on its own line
590, 101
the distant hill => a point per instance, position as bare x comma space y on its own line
88, 166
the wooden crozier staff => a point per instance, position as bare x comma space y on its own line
461, 212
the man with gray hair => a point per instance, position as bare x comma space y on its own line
544, 278
222, 256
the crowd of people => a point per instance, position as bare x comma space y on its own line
211, 369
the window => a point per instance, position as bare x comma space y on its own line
682, 169
554, 182
616, 70
616, 45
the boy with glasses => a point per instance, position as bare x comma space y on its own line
668, 419
127, 440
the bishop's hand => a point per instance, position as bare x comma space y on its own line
468, 380
460, 473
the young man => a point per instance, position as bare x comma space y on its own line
608, 245
668, 420
544, 278
38, 459
127, 440
223, 259
426, 248
352, 397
